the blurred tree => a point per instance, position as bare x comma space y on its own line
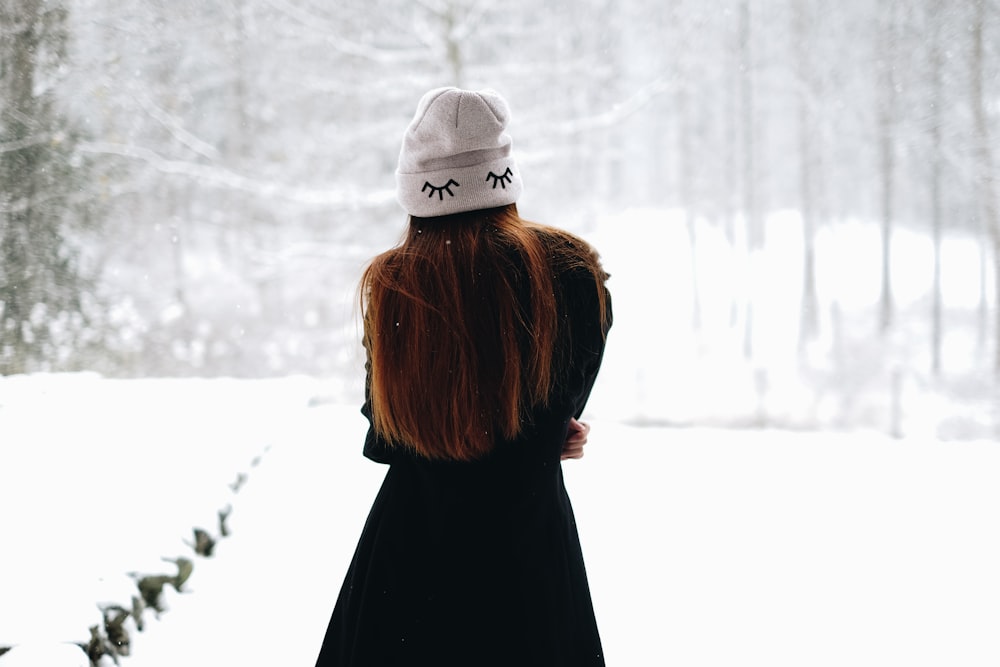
752, 220
983, 158
686, 150
886, 34
935, 62
809, 88
43, 291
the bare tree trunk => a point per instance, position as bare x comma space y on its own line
755, 235
937, 100
452, 46
730, 143
239, 131
19, 43
984, 174
983, 307
754, 231
40, 277
809, 309
886, 117
686, 162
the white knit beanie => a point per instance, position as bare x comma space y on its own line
456, 155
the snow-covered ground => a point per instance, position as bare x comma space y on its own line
704, 547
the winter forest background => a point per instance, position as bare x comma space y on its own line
798, 200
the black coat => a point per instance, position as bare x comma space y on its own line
478, 564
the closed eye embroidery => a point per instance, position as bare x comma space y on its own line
503, 179
439, 190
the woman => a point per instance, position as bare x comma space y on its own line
484, 334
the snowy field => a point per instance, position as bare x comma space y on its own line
703, 547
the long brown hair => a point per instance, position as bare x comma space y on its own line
462, 328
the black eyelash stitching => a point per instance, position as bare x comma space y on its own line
503, 179
440, 190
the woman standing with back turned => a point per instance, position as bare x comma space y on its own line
484, 334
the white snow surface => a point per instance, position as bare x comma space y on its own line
703, 547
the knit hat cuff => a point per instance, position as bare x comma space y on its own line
433, 193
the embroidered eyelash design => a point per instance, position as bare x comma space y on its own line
503, 179
440, 190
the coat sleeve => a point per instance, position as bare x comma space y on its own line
376, 447
595, 357
589, 334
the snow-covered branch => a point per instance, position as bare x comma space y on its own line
319, 24
221, 177
618, 112
176, 129
20, 144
